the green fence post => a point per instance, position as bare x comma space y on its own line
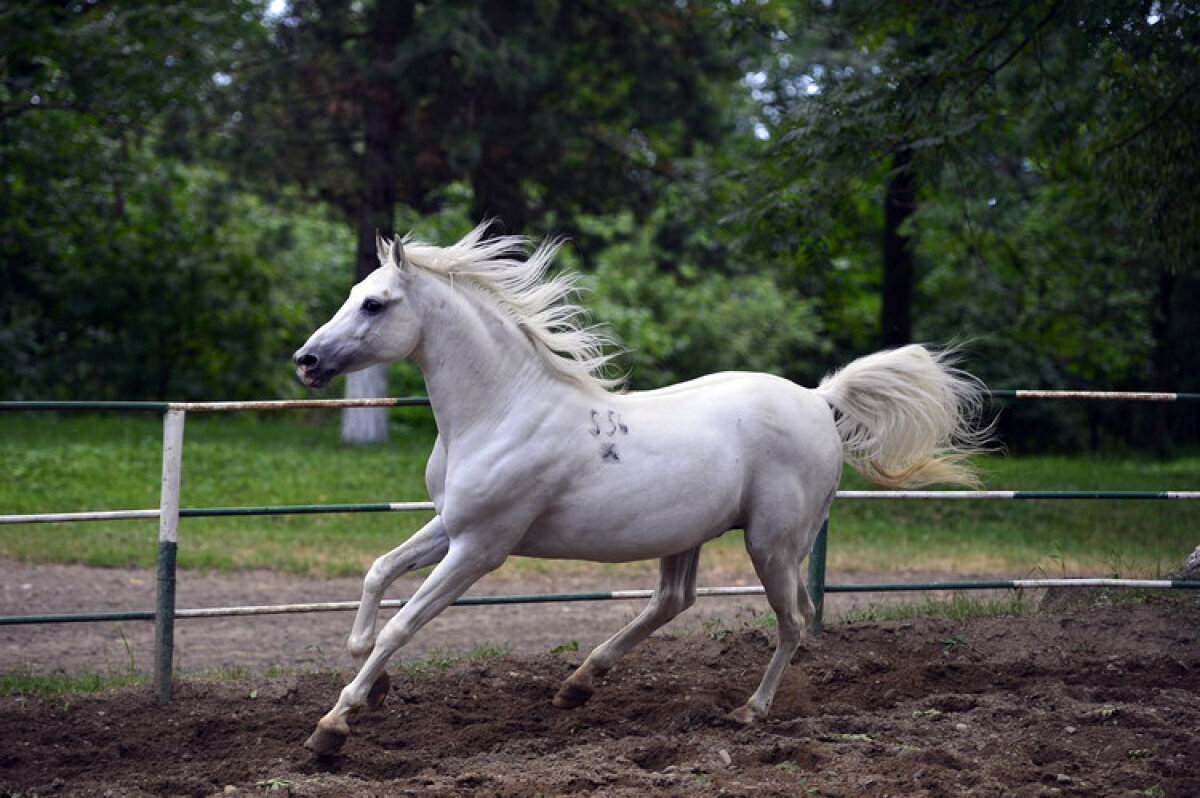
816, 576
168, 540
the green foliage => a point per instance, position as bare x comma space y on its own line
171, 173
1044, 305
191, 292
543, 108
128, 274
681, 320
1053, 145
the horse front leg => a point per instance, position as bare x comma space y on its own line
462, 566
426, 547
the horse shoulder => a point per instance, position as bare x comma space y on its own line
511, 473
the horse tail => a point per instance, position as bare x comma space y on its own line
908, 417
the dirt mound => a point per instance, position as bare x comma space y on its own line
1081, 702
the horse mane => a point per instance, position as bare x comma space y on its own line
516, 279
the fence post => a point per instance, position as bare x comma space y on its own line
168, 540
816, 577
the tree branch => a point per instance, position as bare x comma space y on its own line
994, 70
1154, 121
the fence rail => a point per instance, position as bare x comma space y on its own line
169, 512
217, 512
611, 595
400, 507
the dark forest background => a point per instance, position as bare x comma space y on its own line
189, 188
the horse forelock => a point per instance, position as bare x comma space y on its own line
512, 273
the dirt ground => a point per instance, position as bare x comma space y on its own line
1098, 700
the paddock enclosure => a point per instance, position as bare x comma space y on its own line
1099, 699
170, 511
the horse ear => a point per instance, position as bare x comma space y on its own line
397, 254
381, 248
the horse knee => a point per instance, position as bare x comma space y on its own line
378, 576
360, 646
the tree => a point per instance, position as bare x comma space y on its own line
546, 110
1003, 102
125, 273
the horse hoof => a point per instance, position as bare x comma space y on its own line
572, 696
379, 692
743, 715
324, 742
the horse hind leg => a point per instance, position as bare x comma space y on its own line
778, 568
676, 592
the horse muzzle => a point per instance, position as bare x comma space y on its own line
311, 371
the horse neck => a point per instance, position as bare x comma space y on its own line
479, 367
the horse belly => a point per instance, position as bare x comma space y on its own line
624, 512
617, 539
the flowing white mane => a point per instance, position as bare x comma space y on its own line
517, 281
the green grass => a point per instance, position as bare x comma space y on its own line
62, 463
443, 660
76, 463
960, 606
1106, 537
60, 686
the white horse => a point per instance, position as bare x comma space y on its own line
538, 457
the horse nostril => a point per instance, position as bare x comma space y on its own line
307, 360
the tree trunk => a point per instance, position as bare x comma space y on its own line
389, 23
366, 425
899, 274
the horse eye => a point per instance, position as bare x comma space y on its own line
371, 305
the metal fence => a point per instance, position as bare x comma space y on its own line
169, 512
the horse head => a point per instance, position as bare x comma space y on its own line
376, 324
